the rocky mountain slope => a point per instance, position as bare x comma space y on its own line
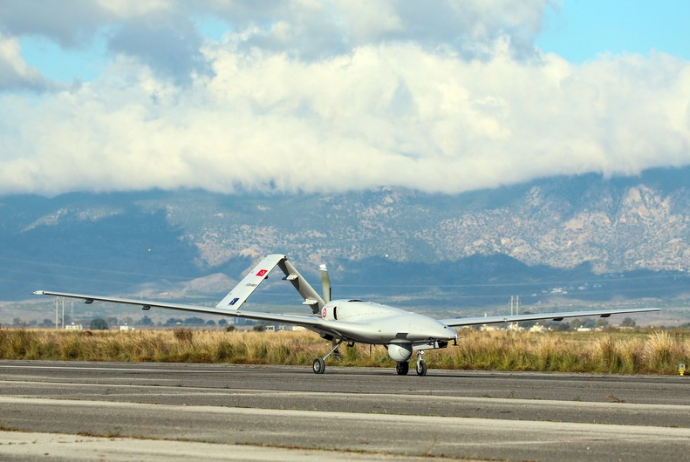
118, 240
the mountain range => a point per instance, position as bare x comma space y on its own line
585, 236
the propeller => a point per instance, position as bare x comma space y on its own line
325, 283
326, 287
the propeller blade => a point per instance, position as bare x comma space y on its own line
325, 283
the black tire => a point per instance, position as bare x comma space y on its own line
421, 367
402, 368
319, 366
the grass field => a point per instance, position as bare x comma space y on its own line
639, 352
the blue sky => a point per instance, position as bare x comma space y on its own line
582, 30
289, 96
65, 65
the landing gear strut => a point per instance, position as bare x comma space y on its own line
319, 364
421, 364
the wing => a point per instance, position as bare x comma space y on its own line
231, 303
459, 322
305, 321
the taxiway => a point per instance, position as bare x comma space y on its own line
269, 412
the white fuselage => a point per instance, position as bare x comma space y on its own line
367, 322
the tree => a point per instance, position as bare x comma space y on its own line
211, 322
230, 329
601, 322
145, 321
259, 328
628, 322
98, 324
193, 321
223, 322
561, 326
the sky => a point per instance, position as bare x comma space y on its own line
273, 96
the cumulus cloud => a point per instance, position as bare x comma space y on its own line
314, 30
371, 103
15, 74
160, 32
172, 45
68, 22
394, 115
72, 23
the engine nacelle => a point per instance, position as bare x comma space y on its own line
399, 353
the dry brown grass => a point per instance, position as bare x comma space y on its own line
655, 352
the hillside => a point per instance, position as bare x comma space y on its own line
559, 234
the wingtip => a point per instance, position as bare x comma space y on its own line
39, 292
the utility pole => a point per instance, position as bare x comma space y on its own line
59, 301
514, 308
517, 304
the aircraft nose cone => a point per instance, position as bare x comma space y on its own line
447, 333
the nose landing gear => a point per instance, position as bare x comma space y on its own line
319, 364
403, 367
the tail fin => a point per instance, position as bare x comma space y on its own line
237, 296
248, 285
307, 292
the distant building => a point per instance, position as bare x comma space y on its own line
74, 326
488, 328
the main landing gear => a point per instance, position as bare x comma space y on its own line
403, 367
319, 364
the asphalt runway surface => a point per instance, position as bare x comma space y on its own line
154, 411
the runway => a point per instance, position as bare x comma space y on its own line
120, 411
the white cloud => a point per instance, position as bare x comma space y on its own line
394, 115
306, 29
15, 74
447, 100
314, 30
73, 23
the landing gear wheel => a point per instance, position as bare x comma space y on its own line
319, 366
421, 367
402, 368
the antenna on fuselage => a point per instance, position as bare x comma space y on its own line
325, 283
